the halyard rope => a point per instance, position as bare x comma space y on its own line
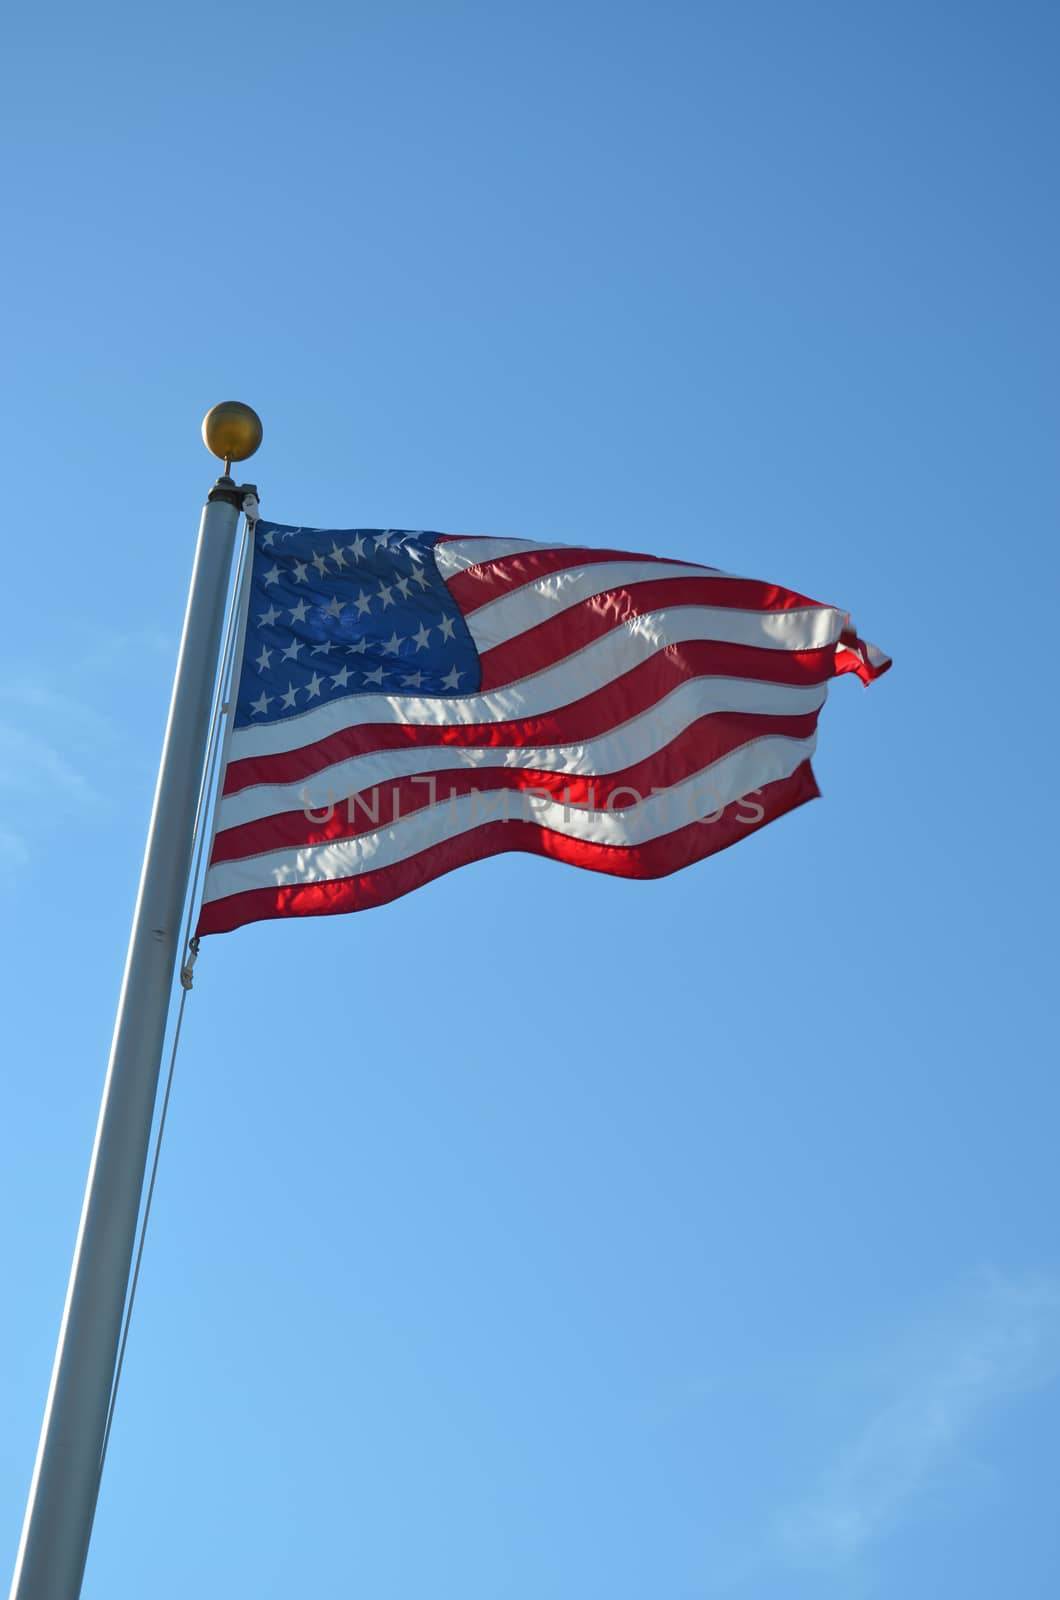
190, 946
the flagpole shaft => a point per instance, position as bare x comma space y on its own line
65, 1485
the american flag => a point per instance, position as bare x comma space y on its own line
409, 702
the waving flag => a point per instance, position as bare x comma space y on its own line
408, 703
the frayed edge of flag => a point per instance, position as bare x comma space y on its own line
853, 654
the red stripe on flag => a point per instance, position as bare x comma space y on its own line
693, 750
474, 586
581, 624
656, 859
623, 697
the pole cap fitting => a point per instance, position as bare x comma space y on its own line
231, 431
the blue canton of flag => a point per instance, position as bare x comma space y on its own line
336, 613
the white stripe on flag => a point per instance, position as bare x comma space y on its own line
735, 775
456, 555
501, 619
615, 751
589, 669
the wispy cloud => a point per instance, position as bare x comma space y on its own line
50, 742
35, 766
40, 701
14, 851
114, 649
1004, 1336
59, 753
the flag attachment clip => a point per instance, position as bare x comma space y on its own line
187, 972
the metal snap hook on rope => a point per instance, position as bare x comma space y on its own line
187, 971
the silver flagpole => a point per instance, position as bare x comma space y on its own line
65, 1486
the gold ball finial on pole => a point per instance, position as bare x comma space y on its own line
231, 431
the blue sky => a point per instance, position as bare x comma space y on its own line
543, 1234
